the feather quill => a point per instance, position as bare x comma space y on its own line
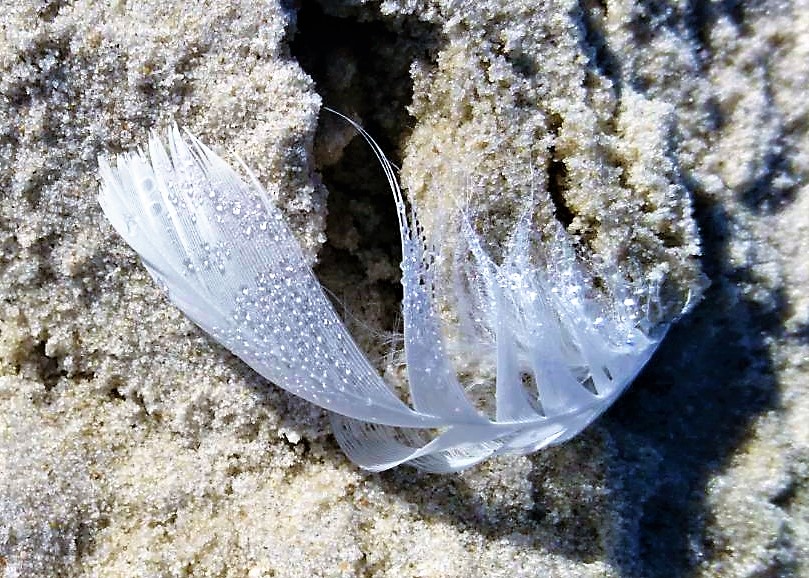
224, 255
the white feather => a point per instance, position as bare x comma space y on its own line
225, 256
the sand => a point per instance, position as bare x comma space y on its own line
670, 139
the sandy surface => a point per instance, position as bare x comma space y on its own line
670, 139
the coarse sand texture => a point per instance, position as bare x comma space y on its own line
670, 141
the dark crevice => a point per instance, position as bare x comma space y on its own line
47, 368
49, 10
557, 187
775, 188
361, 63
735, 10
602, 58
700, 19
786, 497
558, 183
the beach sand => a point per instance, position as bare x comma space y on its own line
671, 139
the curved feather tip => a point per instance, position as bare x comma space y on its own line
226, 258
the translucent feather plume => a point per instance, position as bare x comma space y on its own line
223, 253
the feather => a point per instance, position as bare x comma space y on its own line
225, 256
